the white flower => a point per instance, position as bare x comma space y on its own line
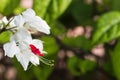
4, 20
4, 23
24, 48
31, 22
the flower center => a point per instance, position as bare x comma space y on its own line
35, 50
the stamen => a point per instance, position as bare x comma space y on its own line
30, 66
46, 61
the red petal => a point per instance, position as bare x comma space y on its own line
35, 50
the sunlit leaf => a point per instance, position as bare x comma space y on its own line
4, 37
56, 8
8, 6
108, 28
3, 4
50, 9
40, 7
18, 10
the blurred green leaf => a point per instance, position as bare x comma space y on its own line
57, 28
4, 37
42, 72
7, 6
78, 66
108, 28
56, 8
18, 10
40, 7
112, 4
79, 42
108, 67
81, 11
50, 9
116, 4
116, 60
3, 4
108, 4
50, 45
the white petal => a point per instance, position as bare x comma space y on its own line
34, 59
39, 25
10, 49
19, 21
23, 59
42, 25
28, 14
35, 23
21, 35
42, 21
30, 28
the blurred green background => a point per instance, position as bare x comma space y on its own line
84, 40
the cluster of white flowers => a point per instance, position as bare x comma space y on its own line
21, 44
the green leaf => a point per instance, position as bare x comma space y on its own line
3, 3
78, 66
108, 67
50, 9
116, 60
108, 28
79, 42
112, 4
115, 4
57, 28
10, 7
4, 37
40, 7
18, 10
56, 8
42, 72
81, 11
50, 45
